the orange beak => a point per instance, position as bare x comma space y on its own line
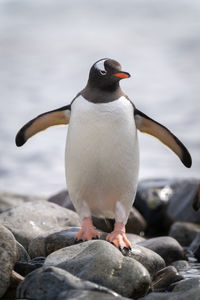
122, 75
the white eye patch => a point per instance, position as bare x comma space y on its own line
100, 65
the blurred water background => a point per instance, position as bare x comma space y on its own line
46, 50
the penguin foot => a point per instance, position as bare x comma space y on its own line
87, 232
118, 237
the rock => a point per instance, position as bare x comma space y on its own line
49, 282
195, 247
165, 201
23, 254
181, 265
184, 232
186, 284
102, 263
87, 295
148, 258
196, 199
50, 242
8, 256
192, 294
167, 247
9, 200
15, 280
136, 223
24, 268
165, 277
33, 219
62, 198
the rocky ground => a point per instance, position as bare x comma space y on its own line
39, 259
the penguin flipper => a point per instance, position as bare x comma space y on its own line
149, 126
55, 117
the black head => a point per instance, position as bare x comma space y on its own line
105, 74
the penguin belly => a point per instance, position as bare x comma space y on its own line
102, 157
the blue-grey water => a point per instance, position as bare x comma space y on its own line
46, 50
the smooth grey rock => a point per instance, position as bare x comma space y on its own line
192, 294
102, 263
187, 284
181, 265
8, 256
165, 277
52, 241
184, 232
167, 247
148, 258
49, 282
10, 200
195, 247
87, 295
33, 219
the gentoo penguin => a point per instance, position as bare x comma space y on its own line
102, 156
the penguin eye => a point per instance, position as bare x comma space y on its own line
102, 72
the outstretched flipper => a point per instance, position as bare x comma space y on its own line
149, 126
55, 117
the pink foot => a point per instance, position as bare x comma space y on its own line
87, 231
118, 237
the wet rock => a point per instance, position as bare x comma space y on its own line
167, 247
49, 282
165, 277
186, 284
8, 256
102, 263
165, 201
62, 198
195, 247
87, 295
32, 219
181, 265
192, 294
10, 200
184, 232
24, 268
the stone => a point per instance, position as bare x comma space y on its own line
49, 282
24, 268
15, 280
33, 219
8, 256
87, 295
184, 232
148, 258
50, 242
10, 200
195, 247
167, 247
102, 263
165, 201
23, 254
165, 277
181, 265
62, 198
192, 294
186, 284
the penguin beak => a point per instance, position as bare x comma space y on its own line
122, 75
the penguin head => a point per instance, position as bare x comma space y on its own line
105, 74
